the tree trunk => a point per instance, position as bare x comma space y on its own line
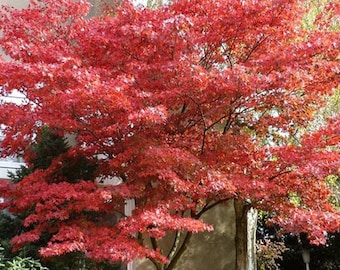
245, 236
241, 235
251, 242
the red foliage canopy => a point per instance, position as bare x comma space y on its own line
190, 104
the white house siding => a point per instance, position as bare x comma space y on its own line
10, 164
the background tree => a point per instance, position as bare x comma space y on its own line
271, 246
179, 103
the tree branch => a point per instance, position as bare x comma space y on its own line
209, 206
179, 253
174, 246
278, 174
155, 247
204, 123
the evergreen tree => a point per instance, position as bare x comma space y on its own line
48, 146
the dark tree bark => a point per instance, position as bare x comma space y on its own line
241, 237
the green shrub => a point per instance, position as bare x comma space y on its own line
18, 263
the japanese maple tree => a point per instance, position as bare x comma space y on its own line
189, 105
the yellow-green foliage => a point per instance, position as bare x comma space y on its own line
317, 8
333, 181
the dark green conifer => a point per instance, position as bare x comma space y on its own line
47, 147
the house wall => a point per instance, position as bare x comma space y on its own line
208, 250
15, 3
